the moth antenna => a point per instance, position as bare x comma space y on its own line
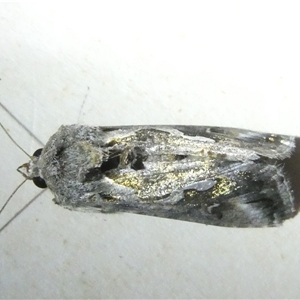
21, 124
14, 141
82, 105
2, 208
20, 211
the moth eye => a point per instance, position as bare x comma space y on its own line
39, 182
37, 152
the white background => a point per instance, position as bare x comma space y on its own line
222, 63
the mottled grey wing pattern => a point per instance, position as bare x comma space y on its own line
211, 175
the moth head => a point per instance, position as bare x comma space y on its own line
31, 171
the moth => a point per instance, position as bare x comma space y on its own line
216, 176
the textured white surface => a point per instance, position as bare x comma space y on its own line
224, 63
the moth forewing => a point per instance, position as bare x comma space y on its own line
217, 176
